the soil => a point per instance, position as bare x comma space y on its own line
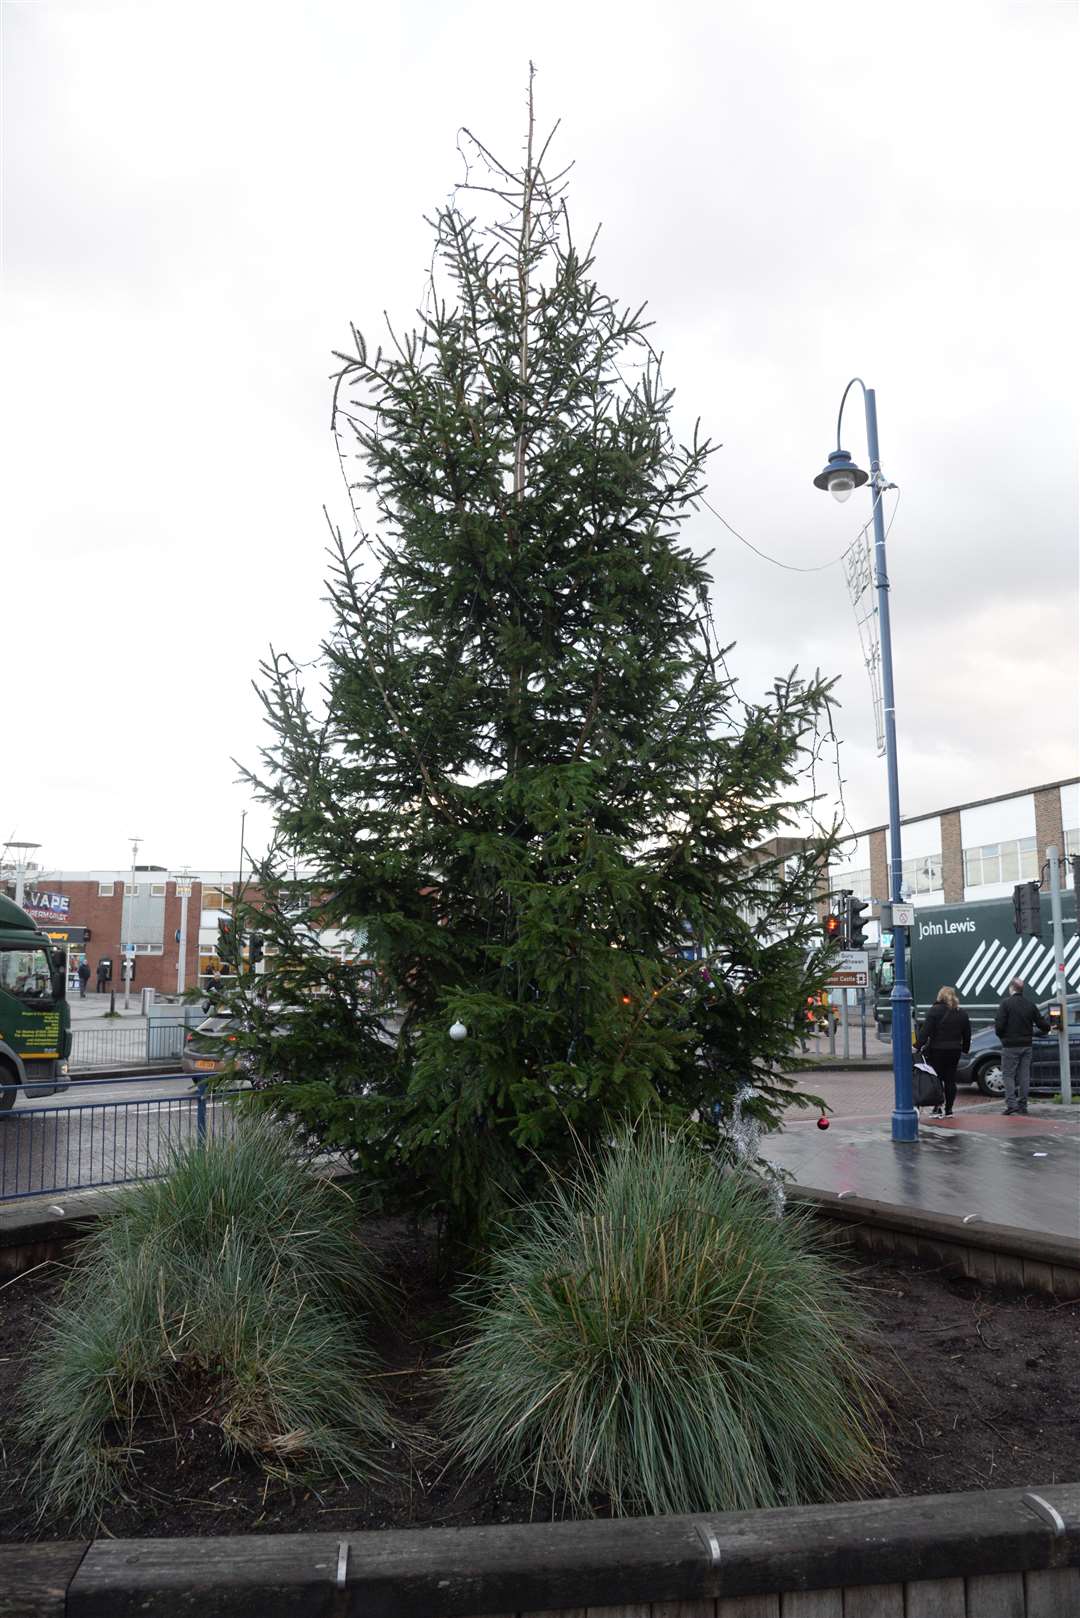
978, 1389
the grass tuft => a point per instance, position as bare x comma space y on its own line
233, 1291
652, 1338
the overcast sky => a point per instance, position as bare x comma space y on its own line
198, 198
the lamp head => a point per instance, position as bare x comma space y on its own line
841, 475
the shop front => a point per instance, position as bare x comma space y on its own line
73, 941
52, 913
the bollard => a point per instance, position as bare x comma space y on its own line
200, 1116
112, 1002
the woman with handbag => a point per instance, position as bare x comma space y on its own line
945, 1033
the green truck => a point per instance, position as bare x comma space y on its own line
974, 949
35, 1021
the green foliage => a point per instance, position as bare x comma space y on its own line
234, 1289
527, 776
652, 1337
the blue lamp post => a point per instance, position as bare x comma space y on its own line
841, 477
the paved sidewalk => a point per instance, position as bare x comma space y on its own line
864, 1094
95, 1009
1007, 1171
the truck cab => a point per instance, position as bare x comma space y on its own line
35, 1020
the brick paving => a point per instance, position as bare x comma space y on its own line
864, 1094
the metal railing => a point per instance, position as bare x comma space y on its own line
157, 1040
47, 1148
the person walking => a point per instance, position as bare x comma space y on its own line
102, 977
945, 1033
84, 979
1017, 1018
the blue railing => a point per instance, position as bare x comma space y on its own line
47, 1148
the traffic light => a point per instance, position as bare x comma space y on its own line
858, 914
1027, 910
255, 949
226, 942
833, 928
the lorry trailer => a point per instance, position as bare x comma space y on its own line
974, 948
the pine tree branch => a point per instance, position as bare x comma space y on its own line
435, 797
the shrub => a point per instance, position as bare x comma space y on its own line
653, 1336
231, 1288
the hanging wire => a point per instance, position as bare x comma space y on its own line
791, 567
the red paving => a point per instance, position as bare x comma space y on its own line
996, 1123
862, 1097
867, 1094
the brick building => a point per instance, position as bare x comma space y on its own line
977, 850
93, 914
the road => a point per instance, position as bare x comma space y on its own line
83, 1138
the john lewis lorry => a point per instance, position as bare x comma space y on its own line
974, 949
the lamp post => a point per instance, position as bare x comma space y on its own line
128, 965
23, 852
840, 477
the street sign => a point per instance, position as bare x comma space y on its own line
903, 915
852, 970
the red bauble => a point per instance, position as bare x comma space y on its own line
823, 1122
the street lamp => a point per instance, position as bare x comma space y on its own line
129, 961
841, 477
23, 852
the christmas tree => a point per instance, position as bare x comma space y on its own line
528, 783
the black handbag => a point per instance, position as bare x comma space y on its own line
927, 1089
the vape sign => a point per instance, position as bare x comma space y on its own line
46, 906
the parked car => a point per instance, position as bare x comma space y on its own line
208, 1047
982, 1064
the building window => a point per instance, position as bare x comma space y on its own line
922, 874
1015, 861
157, 890
210, 965
133, 890
1072, 849
148, 949
106, 890
857, 881
217, 898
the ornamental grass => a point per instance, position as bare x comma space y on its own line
652, 1339
233, 1292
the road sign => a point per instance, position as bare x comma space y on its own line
852, 970
903, 915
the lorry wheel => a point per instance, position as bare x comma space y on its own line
990, 1079
7, 1095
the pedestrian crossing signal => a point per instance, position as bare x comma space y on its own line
1027, 910
858, 914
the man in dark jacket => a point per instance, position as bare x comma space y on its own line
1016, 1019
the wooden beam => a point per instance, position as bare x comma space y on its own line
624, 1564
34, 1579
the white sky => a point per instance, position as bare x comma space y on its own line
198, 198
